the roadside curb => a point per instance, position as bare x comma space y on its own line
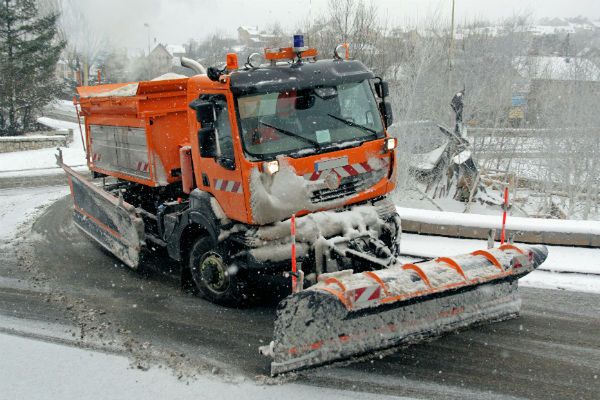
471, 232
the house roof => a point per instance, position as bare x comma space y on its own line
175, 49
159, 48
252, 30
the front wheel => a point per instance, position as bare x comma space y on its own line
214, 278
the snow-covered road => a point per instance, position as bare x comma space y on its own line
86, 289
33, 369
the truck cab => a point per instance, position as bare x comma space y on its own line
289, 139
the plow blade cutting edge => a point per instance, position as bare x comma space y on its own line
347, 315
105, 218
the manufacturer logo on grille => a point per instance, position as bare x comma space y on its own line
332, 180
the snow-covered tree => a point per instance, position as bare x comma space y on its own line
29, 51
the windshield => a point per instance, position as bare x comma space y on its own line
312, 119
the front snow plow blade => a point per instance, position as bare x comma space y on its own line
105, 218
347, 315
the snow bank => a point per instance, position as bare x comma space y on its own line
169, 76
60, 125
16, 205
563, 268
123, 91
428, 161
131, 89
38, 162
495, 222
571, 282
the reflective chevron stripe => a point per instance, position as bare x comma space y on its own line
228, 186
349, 170
364, 295
142, 166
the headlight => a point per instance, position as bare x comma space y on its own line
271, 167
390, 144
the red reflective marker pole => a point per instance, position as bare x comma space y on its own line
503, 235
294, 268
80, 129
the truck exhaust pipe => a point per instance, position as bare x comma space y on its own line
193, 65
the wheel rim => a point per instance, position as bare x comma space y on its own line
213, 273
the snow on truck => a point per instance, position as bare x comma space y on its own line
274, 168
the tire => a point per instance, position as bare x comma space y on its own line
392, 232
211, 275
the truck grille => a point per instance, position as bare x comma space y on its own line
349, 186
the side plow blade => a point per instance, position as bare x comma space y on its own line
347, 315
109, 220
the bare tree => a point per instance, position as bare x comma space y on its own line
84, 45
356, 22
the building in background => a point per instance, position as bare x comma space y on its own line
556, 83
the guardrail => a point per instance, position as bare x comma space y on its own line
477, 226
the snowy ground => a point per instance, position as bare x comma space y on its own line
43, 161
44, 367
19, 204
33, 369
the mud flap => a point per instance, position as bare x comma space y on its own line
350, 315
105, 218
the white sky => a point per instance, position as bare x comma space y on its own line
175, 21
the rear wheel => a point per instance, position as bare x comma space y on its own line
214, 278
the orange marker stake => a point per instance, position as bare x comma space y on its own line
294, 268
80, 129
503, 235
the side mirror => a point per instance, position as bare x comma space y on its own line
207, 139
385, 108
382, 89
207, 134
213, 74
205, 113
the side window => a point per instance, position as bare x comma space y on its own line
354, 104
223, 127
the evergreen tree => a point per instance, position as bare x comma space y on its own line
29, 51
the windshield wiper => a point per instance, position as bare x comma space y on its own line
354, 124
292, 134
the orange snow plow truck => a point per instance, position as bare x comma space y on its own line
220, 168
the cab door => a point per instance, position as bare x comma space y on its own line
217, 153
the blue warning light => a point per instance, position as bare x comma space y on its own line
298, 41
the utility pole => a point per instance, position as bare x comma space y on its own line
147, 26
452, 31
451, 47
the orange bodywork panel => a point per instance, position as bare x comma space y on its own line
153, 113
